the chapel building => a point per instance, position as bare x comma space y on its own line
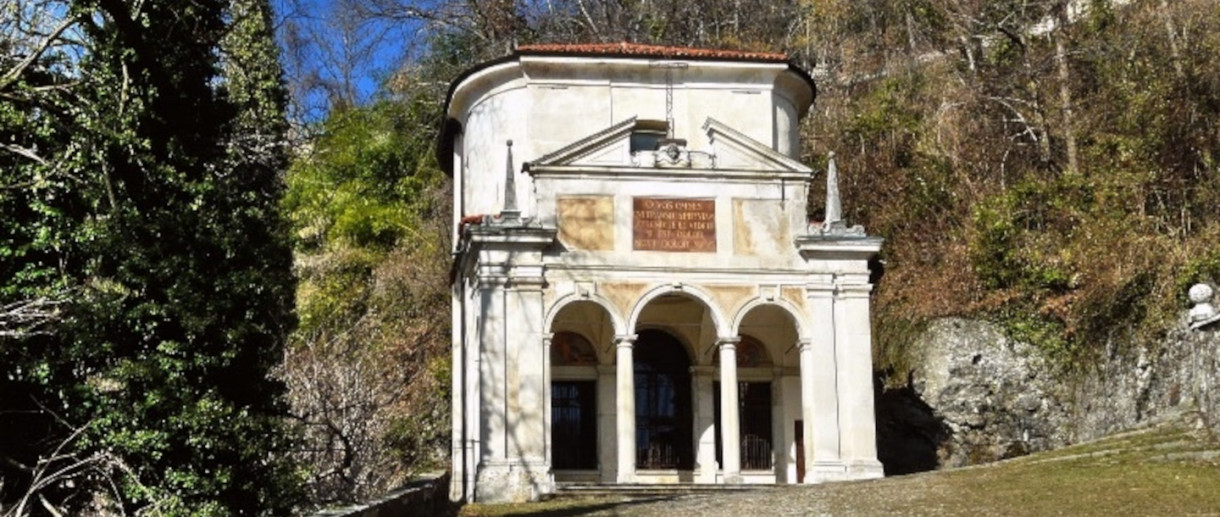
632, 249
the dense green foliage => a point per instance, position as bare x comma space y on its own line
145, 211
368, 367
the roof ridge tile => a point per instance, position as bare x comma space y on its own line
624, 48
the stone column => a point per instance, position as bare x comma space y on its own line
730, 423
546, 399
705, 424
625, 414
807, 412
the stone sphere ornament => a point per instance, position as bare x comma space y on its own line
1200, 293
1201, 296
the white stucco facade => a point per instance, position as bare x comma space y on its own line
637, 254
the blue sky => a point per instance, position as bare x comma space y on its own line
334, 47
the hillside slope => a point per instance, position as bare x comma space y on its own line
1059, 179
1167, 468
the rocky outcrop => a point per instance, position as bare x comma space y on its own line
994, 395
977, 396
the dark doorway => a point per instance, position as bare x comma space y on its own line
799, 430
754, 417
574, 425
663, 436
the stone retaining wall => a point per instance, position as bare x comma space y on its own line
977, 396
426, 497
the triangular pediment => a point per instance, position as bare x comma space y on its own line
729, 149
610, 146
735, 150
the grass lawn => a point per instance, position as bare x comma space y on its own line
1168, 470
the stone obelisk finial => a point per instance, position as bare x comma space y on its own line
834, 225
834, 207
510, 187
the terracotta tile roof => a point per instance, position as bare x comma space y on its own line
641, 50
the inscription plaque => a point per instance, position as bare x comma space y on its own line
674, 224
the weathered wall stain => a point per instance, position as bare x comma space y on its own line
586, 222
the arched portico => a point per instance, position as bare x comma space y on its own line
665, 395
580, 378
663, 418
611, 313
715, 313
777, 310
768, 362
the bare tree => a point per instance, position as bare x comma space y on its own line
66, 471
335, 55
27, 317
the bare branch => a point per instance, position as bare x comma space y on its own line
24, 318
15, 73
24, 151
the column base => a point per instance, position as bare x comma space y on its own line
829, 471
865, 470
731, 478
826, 471
513, 481
624, 477
455, 487
607, 475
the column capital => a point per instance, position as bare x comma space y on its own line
625, 340
729, 342
853, 290
547, 338
702, 370
819, 289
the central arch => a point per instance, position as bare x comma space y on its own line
663, 419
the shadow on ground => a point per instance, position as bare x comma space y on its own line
563, 507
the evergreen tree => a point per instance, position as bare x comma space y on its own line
153, 221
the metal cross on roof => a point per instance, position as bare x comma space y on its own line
669, 67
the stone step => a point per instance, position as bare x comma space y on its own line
639, 491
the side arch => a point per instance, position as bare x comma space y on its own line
794, 312
718, 318
616, 319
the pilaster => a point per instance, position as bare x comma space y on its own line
461, 445
854, 348
705, 423
508, 400
607, 435
820, 392
779, 430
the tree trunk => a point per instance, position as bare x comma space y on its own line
1175, 52
1065, 87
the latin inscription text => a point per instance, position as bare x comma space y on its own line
668, 224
